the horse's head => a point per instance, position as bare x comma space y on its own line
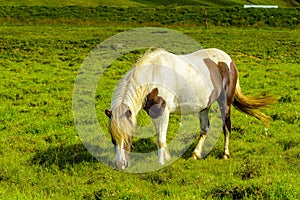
121, 127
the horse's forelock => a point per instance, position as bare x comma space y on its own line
120, 125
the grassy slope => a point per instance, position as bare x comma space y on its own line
282, 3
172, 16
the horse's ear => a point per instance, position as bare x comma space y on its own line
108, 113
128, 113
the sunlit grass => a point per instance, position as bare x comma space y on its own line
42, 156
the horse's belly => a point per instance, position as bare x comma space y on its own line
186, 109
184, 100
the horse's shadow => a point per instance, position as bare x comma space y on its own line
215, 152
62, 156
146, 145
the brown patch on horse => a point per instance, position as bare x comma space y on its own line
223, 78
154, 105
233, 76
216, 79
224, 72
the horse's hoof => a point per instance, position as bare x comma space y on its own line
196, 157
226, 156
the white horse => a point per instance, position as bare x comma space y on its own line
162, 83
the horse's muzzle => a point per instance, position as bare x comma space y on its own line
121, 165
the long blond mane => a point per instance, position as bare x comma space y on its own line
130, 91
129, 95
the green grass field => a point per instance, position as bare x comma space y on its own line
42, 157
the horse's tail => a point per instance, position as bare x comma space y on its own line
250, 105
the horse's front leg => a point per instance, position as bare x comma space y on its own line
204, 127
161, 125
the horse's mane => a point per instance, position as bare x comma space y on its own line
149, 55
121, 91
128, 85
128, 95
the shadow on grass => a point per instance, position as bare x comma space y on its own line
62, 156
215, 152
146, 145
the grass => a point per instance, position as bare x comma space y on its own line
119, 3
42, 157
166, 16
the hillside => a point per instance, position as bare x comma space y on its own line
167, 16
130, 3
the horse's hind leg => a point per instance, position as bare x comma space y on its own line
225, 112
227, 132
204, 127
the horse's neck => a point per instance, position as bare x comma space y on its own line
130, 93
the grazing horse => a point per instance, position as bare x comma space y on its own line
162, 83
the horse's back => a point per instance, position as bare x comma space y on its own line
214, 54
180, 79
183, 81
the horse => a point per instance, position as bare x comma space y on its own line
163, 83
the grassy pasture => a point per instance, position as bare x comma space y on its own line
42, 157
